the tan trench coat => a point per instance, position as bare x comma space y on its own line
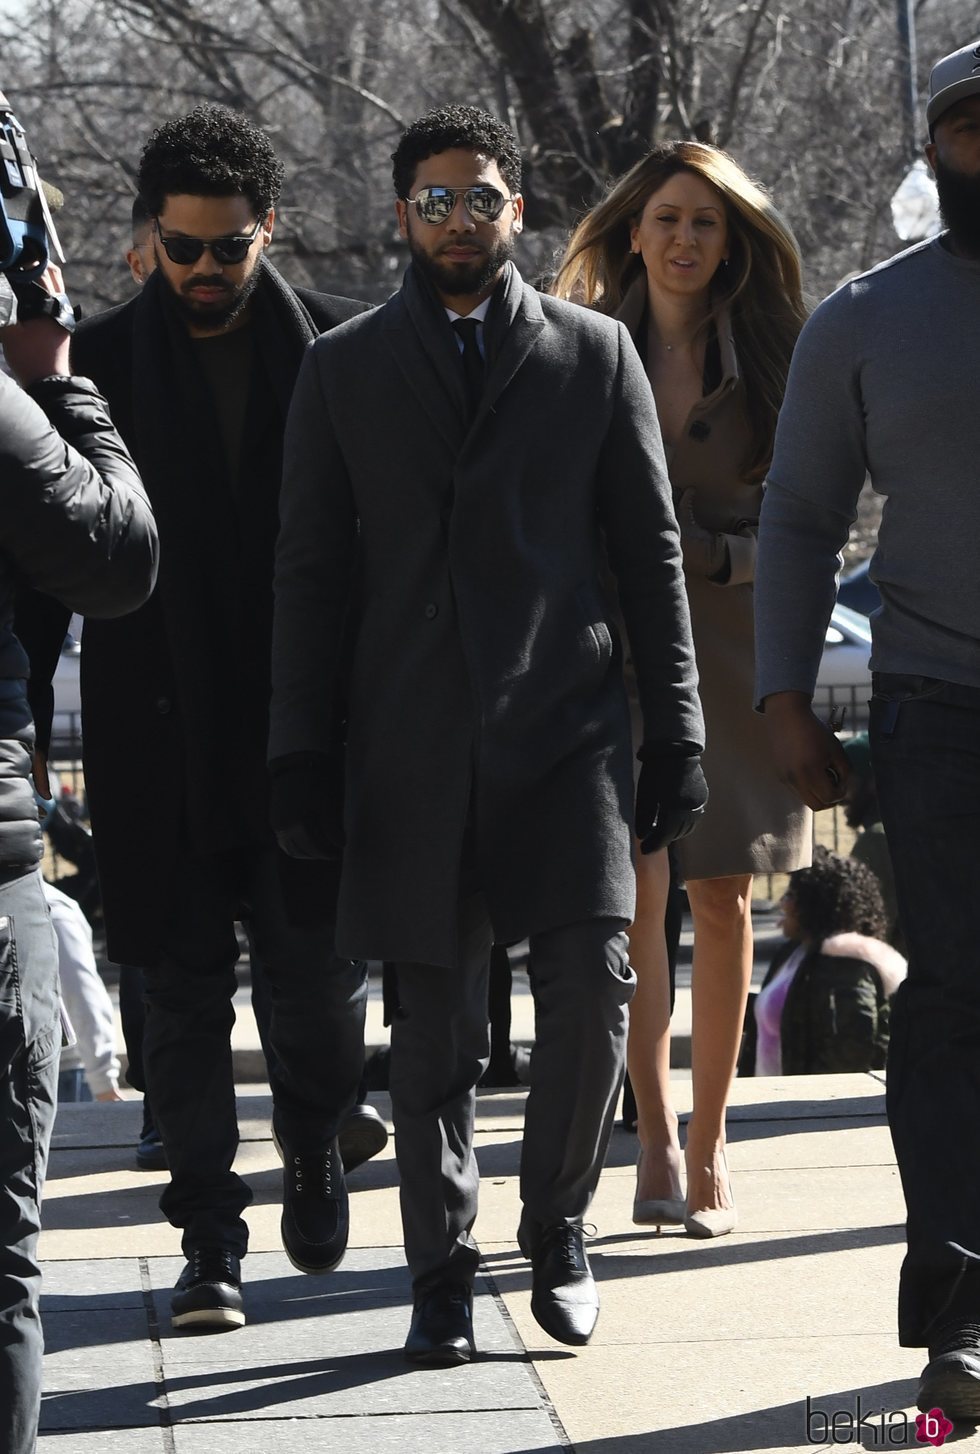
753, 823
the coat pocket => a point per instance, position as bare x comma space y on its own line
593, 619
12, 1038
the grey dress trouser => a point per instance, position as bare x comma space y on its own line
582, 984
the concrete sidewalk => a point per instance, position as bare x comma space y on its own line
702, 1347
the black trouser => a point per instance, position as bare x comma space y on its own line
132, 1012
925, 737
582, 984
316, 1029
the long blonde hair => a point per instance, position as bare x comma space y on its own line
762, 285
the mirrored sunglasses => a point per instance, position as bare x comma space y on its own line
225, 250
436, 204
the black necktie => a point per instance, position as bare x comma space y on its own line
472, 358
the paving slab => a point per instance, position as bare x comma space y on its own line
702, 1347
105, 1441
92, 1286
512, 1431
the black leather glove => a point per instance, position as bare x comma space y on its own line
306, 803
670, 797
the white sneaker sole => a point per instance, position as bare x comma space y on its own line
201, 1318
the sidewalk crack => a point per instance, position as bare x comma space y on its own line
156, 1352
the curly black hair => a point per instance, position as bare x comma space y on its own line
211, 152
446, 127
837, 895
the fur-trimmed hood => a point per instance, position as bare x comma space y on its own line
890, 966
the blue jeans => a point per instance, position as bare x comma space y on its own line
73, 1088
30, 1039
925, 738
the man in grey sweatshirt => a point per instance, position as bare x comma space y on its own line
885, 381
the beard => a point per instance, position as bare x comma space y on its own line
213, 317
959, 203
461, 280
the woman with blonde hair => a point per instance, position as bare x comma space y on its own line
692, 256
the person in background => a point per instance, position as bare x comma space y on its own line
362, 1132
824, 1005
862, 812
198, 368
75, 524
884, 381
139, 255
694, 258
89, 1069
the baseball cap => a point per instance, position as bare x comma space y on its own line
952, 78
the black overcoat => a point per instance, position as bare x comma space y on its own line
485, 691
175, 696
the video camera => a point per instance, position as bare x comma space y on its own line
28, 237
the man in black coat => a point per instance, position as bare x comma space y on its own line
199, 369
479, 444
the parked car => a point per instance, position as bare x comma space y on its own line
844, 678
858, 591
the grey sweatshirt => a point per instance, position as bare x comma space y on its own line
885, 381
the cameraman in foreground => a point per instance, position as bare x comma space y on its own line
74, 523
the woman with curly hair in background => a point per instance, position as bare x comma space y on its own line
692, 256
824, 1003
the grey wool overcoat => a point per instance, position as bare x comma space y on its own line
487, 720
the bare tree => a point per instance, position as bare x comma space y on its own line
805, 93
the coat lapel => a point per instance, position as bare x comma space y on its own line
427, 354
513, 328
425, 350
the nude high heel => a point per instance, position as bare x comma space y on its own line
714, 1221
657, 1211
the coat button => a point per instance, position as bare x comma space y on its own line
431, 611
163, 705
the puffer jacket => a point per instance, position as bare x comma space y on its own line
75, 524
836, 1014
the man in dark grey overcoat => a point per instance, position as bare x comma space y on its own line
454, 463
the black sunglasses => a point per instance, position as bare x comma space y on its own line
436, 204
225, 250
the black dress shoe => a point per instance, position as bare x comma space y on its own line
564, 1300
315, 1210
951, 1379
362, 1135
208, 1295
441, 1334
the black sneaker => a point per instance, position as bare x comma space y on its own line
208, 1295
315, 1210
150, 1155
951, 1379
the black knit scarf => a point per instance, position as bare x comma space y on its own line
216, 556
